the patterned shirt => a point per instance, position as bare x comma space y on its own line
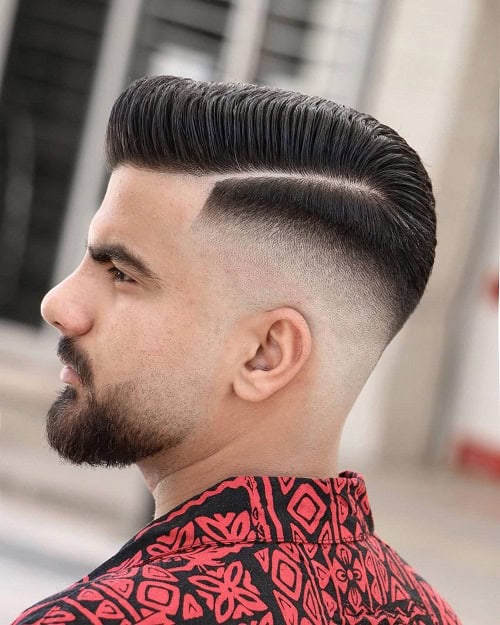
254, 550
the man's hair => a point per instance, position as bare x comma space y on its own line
328, 184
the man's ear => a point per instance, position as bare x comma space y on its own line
280, 345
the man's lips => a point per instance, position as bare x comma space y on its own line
68, 375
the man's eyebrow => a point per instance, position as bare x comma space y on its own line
120, 253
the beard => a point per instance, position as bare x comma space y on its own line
117, 429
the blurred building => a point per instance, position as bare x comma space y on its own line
426, 68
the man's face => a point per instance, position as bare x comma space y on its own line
146, 352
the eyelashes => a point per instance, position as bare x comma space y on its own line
119, 276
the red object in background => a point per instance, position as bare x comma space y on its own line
478, 456
472, 454
492, 288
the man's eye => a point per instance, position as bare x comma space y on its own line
119, 276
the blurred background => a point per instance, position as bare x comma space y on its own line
425, 430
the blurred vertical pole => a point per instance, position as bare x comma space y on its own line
7, 13
113, 62
379, 23
244, 34
342, 34
319, 46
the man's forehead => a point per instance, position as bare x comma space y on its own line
146, 213
152, 194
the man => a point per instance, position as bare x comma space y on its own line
254, 254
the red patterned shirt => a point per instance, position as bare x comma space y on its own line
254, 550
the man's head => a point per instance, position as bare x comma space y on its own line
290, 239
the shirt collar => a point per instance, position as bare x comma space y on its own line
275, 509
256, 509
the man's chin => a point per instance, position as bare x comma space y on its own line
107, 431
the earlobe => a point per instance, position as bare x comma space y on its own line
283, 349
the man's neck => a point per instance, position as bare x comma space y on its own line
170, 489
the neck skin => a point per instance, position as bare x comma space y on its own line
295, 432
267, 448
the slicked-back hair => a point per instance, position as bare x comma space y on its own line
320, 171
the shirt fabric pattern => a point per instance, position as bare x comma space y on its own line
254, 550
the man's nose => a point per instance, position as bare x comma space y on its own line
66, 308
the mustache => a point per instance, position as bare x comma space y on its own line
71, 355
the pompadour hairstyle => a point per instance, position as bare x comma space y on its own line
338, 178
